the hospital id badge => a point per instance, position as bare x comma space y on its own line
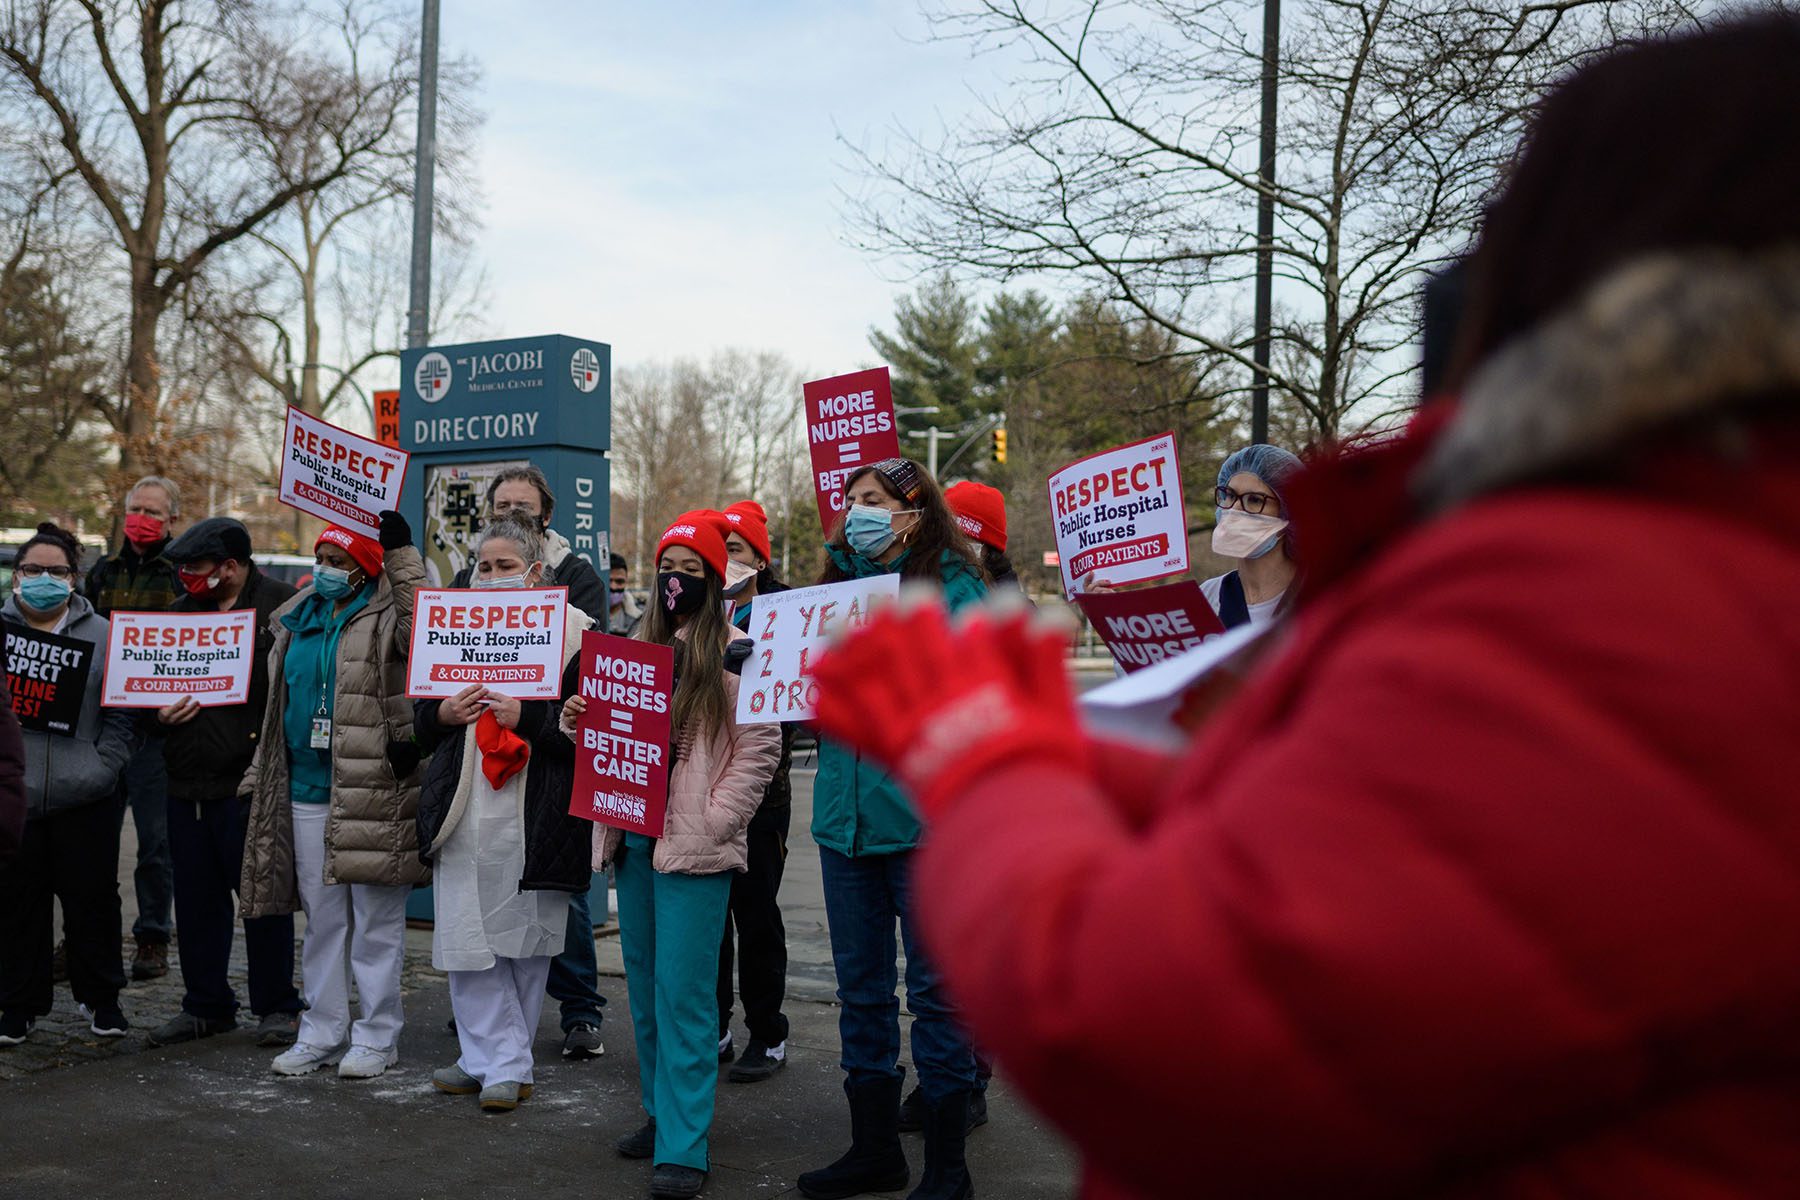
321, 733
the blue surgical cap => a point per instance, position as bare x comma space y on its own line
1271, 464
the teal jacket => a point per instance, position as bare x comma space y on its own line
857, 809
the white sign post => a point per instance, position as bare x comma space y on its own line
339, 476
508, 640
790, 629
1120, 513
156, 659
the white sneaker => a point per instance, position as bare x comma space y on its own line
303, 1058
366, 1062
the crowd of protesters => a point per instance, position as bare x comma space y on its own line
1484, 882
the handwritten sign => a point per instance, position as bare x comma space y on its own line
510, 640
849, 424
337, 475
154, 659
790, 629
1120, 513
622, 744
47, 675
1143, 628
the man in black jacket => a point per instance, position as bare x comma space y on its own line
523, 494
755, 910
207, 751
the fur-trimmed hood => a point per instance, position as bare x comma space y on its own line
1657, 341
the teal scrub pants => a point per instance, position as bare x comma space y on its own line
669, 931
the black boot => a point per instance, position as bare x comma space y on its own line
946, 1171
875, 1162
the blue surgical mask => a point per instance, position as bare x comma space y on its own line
618, 597
333, 583
500, 581
43, 593
869, 530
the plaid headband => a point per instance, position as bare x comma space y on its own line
903, 474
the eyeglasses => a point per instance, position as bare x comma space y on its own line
1250, 502
33, 570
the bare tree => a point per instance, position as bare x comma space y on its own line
1123, 153
160, 108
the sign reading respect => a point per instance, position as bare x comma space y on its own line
156, 659
849, 424
790, 629
622, 740
510, 640
339, 476
1120, 512
47, 675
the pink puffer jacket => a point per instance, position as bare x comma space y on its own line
714, 790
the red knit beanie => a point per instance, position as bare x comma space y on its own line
747, 522
700, 531
980, 511
364, 551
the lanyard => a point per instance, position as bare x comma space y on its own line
328, 643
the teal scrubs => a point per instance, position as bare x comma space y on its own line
310, 671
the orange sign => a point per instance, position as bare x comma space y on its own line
387, 418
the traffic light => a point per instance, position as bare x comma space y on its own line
1000, 444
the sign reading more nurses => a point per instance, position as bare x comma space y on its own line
791, 628
507, 639
156, 659
339, 476
622, 740
47, 675
1120, 513
1143, 628
849, 424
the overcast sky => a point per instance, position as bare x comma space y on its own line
666, 177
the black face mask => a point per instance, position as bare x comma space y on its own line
680, 594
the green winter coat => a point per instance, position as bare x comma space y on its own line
857, 809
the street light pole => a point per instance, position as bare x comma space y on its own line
1265, 224
418, 309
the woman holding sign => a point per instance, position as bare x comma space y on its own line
896, 523
494, 823
335, 792
70, 849
1253, 528
674, 889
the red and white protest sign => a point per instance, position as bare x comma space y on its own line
510, 640
1120, 513
791, 628
154, 659
339, 476
622, 740
1143, 628
849, 424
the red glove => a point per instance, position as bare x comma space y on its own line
939, 706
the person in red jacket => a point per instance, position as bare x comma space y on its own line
1487, 882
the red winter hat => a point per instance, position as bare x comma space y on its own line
750, 507
364, 551
747, 521
980, 511
701, 531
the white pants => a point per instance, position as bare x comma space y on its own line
497, 1017
353, 930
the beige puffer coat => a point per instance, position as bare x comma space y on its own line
715, 787
371, 835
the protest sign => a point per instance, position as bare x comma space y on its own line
622, 740
47, 675
790, 629
387, 416
510, 640
849, 424
1143, 628
339, 476
1120, 513
154, 659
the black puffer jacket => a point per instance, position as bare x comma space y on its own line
557, 845
207, 757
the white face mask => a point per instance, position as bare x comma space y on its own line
736, 576
1246, 535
